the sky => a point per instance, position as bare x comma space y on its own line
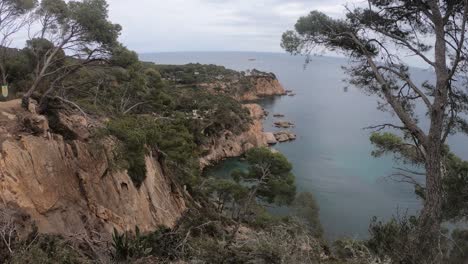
212, 25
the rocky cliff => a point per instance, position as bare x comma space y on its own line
249, 88
231, 145
69, 186
262, 86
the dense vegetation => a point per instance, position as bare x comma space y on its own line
218, 79
74, 61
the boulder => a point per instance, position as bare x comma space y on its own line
71, 126
37, 124
278, 115
284, 136
270, 137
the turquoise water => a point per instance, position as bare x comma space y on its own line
331, 156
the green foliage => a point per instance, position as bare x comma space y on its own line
319, 28
393, 239
216, 113
229, 194
455, 181
388, 143
351, 251
459, 252
20, 6
123, 57
306, 208
258, 218
91, 17
139, 134
200, 237
271, 174
196, 73
127, 246
455, 185
48, 250
37, 48
280, 243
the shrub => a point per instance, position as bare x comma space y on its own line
139, 134
128, 246
48, 250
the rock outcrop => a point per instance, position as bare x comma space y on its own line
263, 86
69, 186
231, 145
271, 139
250, 89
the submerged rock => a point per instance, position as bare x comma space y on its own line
278, 115
283, 124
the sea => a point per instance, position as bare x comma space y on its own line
332, 154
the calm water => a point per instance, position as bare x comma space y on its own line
331, 156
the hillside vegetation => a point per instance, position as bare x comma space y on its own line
74, 65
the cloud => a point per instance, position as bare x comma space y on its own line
211, 25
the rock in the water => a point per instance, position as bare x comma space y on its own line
271, 139
278, 115
284, 136
283, 124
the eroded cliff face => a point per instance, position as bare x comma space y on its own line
263, 86
231, 145
69, 186
250, 89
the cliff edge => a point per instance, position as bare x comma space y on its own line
69, 186
263, 86
230, 145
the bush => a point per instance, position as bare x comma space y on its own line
393, 239
139, 134
48, 250
306, 208
129, 246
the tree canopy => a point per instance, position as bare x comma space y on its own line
79, 29
377, 37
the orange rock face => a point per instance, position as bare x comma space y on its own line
229, 145
71, 187
263, 86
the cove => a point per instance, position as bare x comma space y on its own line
332, 154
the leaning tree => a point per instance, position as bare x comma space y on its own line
14, 15
70, 35
378, 36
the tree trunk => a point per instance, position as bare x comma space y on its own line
27, 95
430, 218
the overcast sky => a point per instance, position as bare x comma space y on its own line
212, 25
